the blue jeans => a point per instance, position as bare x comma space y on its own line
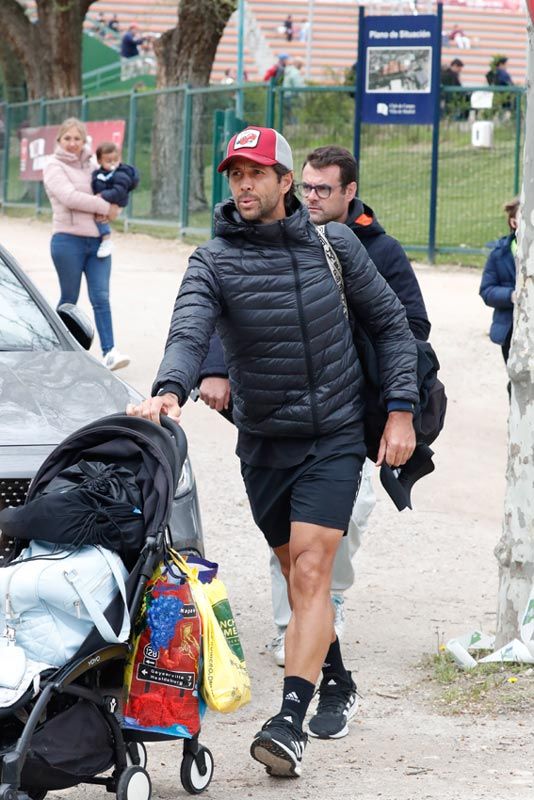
74, 255
103, 228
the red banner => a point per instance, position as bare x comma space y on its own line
38, 144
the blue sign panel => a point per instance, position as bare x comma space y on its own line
398, 59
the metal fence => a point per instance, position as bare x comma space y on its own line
395, 161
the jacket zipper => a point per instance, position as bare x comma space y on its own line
304, 332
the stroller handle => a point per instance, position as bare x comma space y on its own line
177, 433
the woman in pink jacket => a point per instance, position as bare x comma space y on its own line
75, 236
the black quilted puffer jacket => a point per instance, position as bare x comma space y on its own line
291, 361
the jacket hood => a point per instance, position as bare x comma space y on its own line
229, 223
71, 158
361, 219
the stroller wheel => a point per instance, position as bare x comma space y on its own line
196, 771
136, 754
134, 784
7, 792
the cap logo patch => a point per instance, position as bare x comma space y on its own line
247, 138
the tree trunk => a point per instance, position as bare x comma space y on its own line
12, 72
50, 48
185, 55
515, 551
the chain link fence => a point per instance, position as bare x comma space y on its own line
171, 138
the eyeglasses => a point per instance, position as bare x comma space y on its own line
322, 190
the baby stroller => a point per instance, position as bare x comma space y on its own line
79, 699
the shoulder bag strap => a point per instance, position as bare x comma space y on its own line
94, 610
334, 264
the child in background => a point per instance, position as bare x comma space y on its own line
113, 181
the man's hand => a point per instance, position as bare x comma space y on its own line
398, 440
215, 392
154, 406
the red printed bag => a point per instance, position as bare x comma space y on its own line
162, 674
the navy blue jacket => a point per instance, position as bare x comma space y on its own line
390, 260
292, 364
496, 287
115, 185
130, 44
392, 263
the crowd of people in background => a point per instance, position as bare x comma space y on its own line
292, 32
497, 75
106, 28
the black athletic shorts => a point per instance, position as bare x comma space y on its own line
321, 490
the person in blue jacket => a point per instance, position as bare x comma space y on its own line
497, 287
113, 181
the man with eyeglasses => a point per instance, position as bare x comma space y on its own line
297, 386
328, 188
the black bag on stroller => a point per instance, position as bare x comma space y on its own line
38, 755
69, 748
88, 503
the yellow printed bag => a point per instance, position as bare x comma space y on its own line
225, 684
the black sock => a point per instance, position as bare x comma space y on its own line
297, 696
333, 662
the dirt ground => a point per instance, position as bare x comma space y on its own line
423, 576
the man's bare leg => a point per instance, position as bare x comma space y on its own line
312, 549
307, 562
337, 691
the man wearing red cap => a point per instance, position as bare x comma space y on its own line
264, 282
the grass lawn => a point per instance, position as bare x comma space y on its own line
395, 166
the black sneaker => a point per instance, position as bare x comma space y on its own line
280, 745
338, 702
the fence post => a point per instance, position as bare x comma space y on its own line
269, 122
359, 82
39, 189
7, 139
216, 177
280, 95
83, 109
186, 161
517, 152
132, 131
435, 143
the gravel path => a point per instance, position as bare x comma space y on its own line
423, 576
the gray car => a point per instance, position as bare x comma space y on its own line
50, 386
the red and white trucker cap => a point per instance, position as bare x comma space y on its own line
262, 145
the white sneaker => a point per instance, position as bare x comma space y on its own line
338, 601
277, 647
105, 249
115, 359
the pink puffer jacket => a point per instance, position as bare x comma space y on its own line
67, 181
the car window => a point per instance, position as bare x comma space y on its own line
23, 326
